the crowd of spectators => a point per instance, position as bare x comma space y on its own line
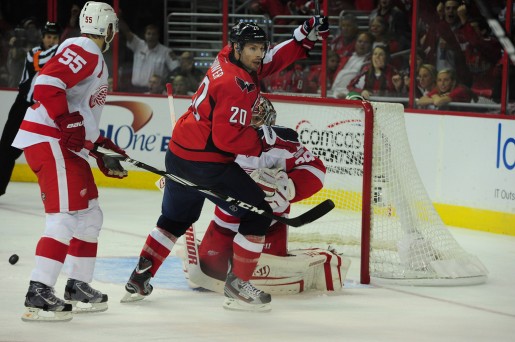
453, 41
369, 57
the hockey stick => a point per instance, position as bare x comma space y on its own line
170, 104
317, 7
307, 217
497, 29
161, 181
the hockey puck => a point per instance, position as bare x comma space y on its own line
14, 259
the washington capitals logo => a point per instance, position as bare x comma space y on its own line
244, 85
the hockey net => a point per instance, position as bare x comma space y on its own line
383, 213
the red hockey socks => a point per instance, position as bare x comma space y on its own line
247, 250
157, 247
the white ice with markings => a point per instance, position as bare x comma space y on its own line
176, 313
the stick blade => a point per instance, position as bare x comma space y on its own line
313, 214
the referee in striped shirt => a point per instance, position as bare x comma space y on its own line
36, 59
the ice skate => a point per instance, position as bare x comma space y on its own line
43, 306
138, 286
84, 298
242, 295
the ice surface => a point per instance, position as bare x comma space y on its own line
175, 313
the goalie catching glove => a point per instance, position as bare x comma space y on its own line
109, 166
277, 186
277, 141
313, 29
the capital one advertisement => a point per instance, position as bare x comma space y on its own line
465, 161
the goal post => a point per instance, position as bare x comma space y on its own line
383, 213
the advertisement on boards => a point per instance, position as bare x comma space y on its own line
505, 163
465, 161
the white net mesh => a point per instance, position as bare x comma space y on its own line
409, 242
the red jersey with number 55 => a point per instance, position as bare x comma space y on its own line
215, 127
75, 79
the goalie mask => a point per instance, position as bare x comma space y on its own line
95, 18
263, 113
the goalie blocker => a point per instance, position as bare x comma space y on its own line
299, 271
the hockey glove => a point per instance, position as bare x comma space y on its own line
274, 180
108, 165
110, 145
73, 133
279, 142
277, 202
323, 29
316, 27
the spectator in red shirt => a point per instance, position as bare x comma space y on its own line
376, 79
447, 90
482, 54
379, 29
343, 43
426, 80
445, 42
273, 8
396, 20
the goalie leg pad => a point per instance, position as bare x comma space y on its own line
276, 240
286, 275
215, 251
303, 269
331, 275
191, 266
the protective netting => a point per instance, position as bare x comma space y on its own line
409, 242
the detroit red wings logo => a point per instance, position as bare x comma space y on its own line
98, 98
244, 85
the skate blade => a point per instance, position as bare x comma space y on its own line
40, 315
238, 305
81, 307
131, 297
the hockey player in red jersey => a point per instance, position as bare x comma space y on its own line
70, 93
280, 271
278, 178
204, 144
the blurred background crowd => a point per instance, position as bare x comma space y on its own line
458, 61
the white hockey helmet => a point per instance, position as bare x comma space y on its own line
96, 17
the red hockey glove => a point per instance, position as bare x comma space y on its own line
73, 133
316, 27
108, 165
280, 142
110, 145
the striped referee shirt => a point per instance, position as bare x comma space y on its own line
36, 59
